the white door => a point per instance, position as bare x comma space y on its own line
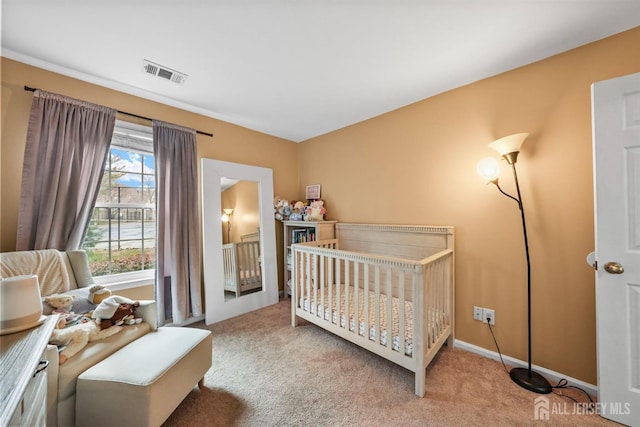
616, 148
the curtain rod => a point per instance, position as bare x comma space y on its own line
31, 89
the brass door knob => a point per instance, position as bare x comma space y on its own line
613, 268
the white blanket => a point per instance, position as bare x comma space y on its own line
47, 264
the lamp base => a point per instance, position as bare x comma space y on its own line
530, 380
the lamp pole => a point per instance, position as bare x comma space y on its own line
509, 147
526, 378
526, 249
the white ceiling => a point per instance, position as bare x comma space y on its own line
299, 68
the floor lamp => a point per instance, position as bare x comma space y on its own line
509, 147
226, 218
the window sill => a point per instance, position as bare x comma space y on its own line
116, 282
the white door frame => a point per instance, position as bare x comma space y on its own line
616, 157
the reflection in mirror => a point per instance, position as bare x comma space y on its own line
241, 238
251, 220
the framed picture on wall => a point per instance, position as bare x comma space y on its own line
313, 192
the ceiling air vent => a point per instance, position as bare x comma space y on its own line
164, 72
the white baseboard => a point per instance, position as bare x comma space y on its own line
552, 376
186, 322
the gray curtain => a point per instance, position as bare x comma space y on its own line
67, 146
178, 285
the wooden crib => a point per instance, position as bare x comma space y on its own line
387, 288
242, 270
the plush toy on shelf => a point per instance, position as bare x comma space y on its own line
315, 211
282, 209
297, 211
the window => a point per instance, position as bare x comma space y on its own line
121, 237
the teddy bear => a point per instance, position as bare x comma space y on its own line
76, 337
61, 303
297, 210
315, 211
116, 310
282, 209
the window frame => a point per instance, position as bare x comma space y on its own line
132, 279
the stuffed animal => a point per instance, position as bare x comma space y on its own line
282, 209
298, 206
125, 314
76, 337
97, 294
61, 303
297, 210
315, 211
116, 310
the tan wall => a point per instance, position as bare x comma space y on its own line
416, 165
230, 142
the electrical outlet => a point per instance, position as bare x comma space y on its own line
477, 313
489, 314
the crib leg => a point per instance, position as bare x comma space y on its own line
294, 318
421, 377
449, 341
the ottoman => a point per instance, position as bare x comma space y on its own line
144, 382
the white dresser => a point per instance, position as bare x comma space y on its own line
23, 376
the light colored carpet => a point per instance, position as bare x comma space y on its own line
266, 373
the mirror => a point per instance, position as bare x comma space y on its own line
240, 238
251, 219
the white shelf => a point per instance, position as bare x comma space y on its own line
313, 230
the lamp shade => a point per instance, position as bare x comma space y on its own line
509, 144
488, 168
21, 304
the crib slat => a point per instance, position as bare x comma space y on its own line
356, 298
338, 292
347, 283
322, 284
437, 310
401, 312
314, 283
389, 304
437, 280
307, 279
299, 283
434, 291
376, 290
367, 321
331, 290
427, 302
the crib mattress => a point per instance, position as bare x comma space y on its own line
332, 315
